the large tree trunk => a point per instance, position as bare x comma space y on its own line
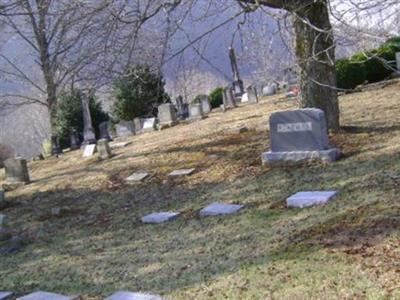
315, 52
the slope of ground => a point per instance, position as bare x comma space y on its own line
348, 249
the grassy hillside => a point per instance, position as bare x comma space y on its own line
348, 249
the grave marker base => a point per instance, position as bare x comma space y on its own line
297, 157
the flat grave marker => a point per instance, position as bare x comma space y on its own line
119, 144
160, 217
182, 172
40, 295
89, 150
138, 176
307, 199
217, 209
122, 295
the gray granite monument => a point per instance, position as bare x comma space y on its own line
125, 128
104, 131
205, 104
297, 136
104, 149
217, 209
196, 112
228, 99
252, 94
74, 139
160, 217
307, 199
55, 143
88, 132
16, 170
166, 115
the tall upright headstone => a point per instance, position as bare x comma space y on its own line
104, 131
205, 104
55, 142
228, 99
238, 87
196, 111
47, 148
16, 170
252, 94
88, 132
167, 115
398, 61
125, 128
104, 149
297, 136
182, 108
74, 142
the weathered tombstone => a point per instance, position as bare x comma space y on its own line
89, 150
40, 295
216, 209
205, 104
398, 61
166, 115
228, 99
160, 217
252, 94
5, 295
4, 228
122, 295
55, 143
104, 149
182, 108
269, 90
125, 128
88, 132
149, 124
182, 172
137, 125
138, 176
299, 135
46, 148
16, 170
245, 98
196, 111
307, 199
104, 131
74, 139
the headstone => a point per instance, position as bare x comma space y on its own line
216, 209
74, 139
167, 115
55, 143
137, 124
4, 228
122, 295
299, 135
104, 149
46, 148
228, 99
89, 150
138, 176
269, 90
182, 172
196, 111
160, 217
6, 295
398, 61
125, 128
245, 98
307, 199
252, 94
149, 124
44, 296
4, 221
88, 132
205, 105
104, 131
16, 170
182, 108
238, 88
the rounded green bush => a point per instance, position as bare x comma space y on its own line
216, 97
350, 74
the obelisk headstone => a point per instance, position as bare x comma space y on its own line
88, 132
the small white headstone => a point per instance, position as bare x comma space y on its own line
307, 199
89, 150
216, 209
139, 176
245, 97
160, 217
6, 295
132, 296
149, 123
183, 172
44, 296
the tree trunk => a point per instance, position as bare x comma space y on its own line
315, 53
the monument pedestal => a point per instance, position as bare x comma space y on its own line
295, 157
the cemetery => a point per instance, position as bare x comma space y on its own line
196, 211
